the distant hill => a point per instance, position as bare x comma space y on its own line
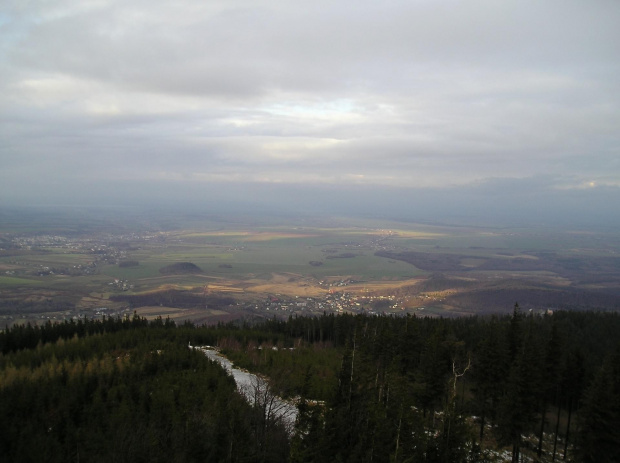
180, 268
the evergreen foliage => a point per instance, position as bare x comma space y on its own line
381, 389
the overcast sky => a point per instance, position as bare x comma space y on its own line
247, 98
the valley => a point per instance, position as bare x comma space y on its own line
208, 271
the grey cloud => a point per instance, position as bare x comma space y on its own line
246, 50
445, 96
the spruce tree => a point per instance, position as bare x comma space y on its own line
599, 434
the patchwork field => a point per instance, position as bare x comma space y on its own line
429, 269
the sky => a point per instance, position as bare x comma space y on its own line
419, 107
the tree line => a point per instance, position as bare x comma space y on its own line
384, 388
123, 390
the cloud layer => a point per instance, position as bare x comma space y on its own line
408, 94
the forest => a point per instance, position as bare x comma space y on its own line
518, 387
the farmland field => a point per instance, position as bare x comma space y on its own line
430, 269
11, 281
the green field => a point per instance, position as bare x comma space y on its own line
242, 254
290, 258
6, 281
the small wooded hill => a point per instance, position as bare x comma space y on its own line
180, 268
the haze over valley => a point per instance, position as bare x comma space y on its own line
67, 265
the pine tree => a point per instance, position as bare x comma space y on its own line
599, 435
519, 404
550, 381
489, 372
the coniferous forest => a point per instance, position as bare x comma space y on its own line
522, 387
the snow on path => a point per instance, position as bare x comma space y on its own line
253, 388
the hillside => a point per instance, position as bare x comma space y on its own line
180, 268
